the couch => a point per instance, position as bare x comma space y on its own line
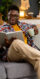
17, 70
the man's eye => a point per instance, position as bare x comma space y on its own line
13, 15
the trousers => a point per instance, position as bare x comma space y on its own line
18, 50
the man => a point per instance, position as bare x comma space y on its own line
18, 50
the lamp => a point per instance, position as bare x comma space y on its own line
21, 14
24, 6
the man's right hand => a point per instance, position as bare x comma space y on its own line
1, 46
8, 41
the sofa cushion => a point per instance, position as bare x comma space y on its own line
2, 72
20, 71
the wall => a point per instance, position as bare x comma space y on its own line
34, 7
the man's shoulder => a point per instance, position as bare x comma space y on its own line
21, 22
6, 25
26, 24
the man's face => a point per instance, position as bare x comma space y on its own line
13, 17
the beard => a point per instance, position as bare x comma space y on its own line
13, 22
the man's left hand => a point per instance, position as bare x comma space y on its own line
35, 30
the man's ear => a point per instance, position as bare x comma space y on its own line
8, 15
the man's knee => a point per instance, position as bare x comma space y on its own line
37, 64
16, 43
14, 46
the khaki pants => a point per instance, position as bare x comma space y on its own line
19, 50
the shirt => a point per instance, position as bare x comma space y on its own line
6, 28
21, 26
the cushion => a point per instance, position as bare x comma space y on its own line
2, 72
20, 71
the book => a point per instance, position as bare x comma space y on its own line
9, 35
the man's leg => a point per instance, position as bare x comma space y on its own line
19, 50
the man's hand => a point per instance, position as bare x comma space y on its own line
8, 41
35, 29
1, 47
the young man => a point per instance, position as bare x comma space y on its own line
18, 50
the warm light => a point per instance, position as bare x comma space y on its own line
21, 14
25, 5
